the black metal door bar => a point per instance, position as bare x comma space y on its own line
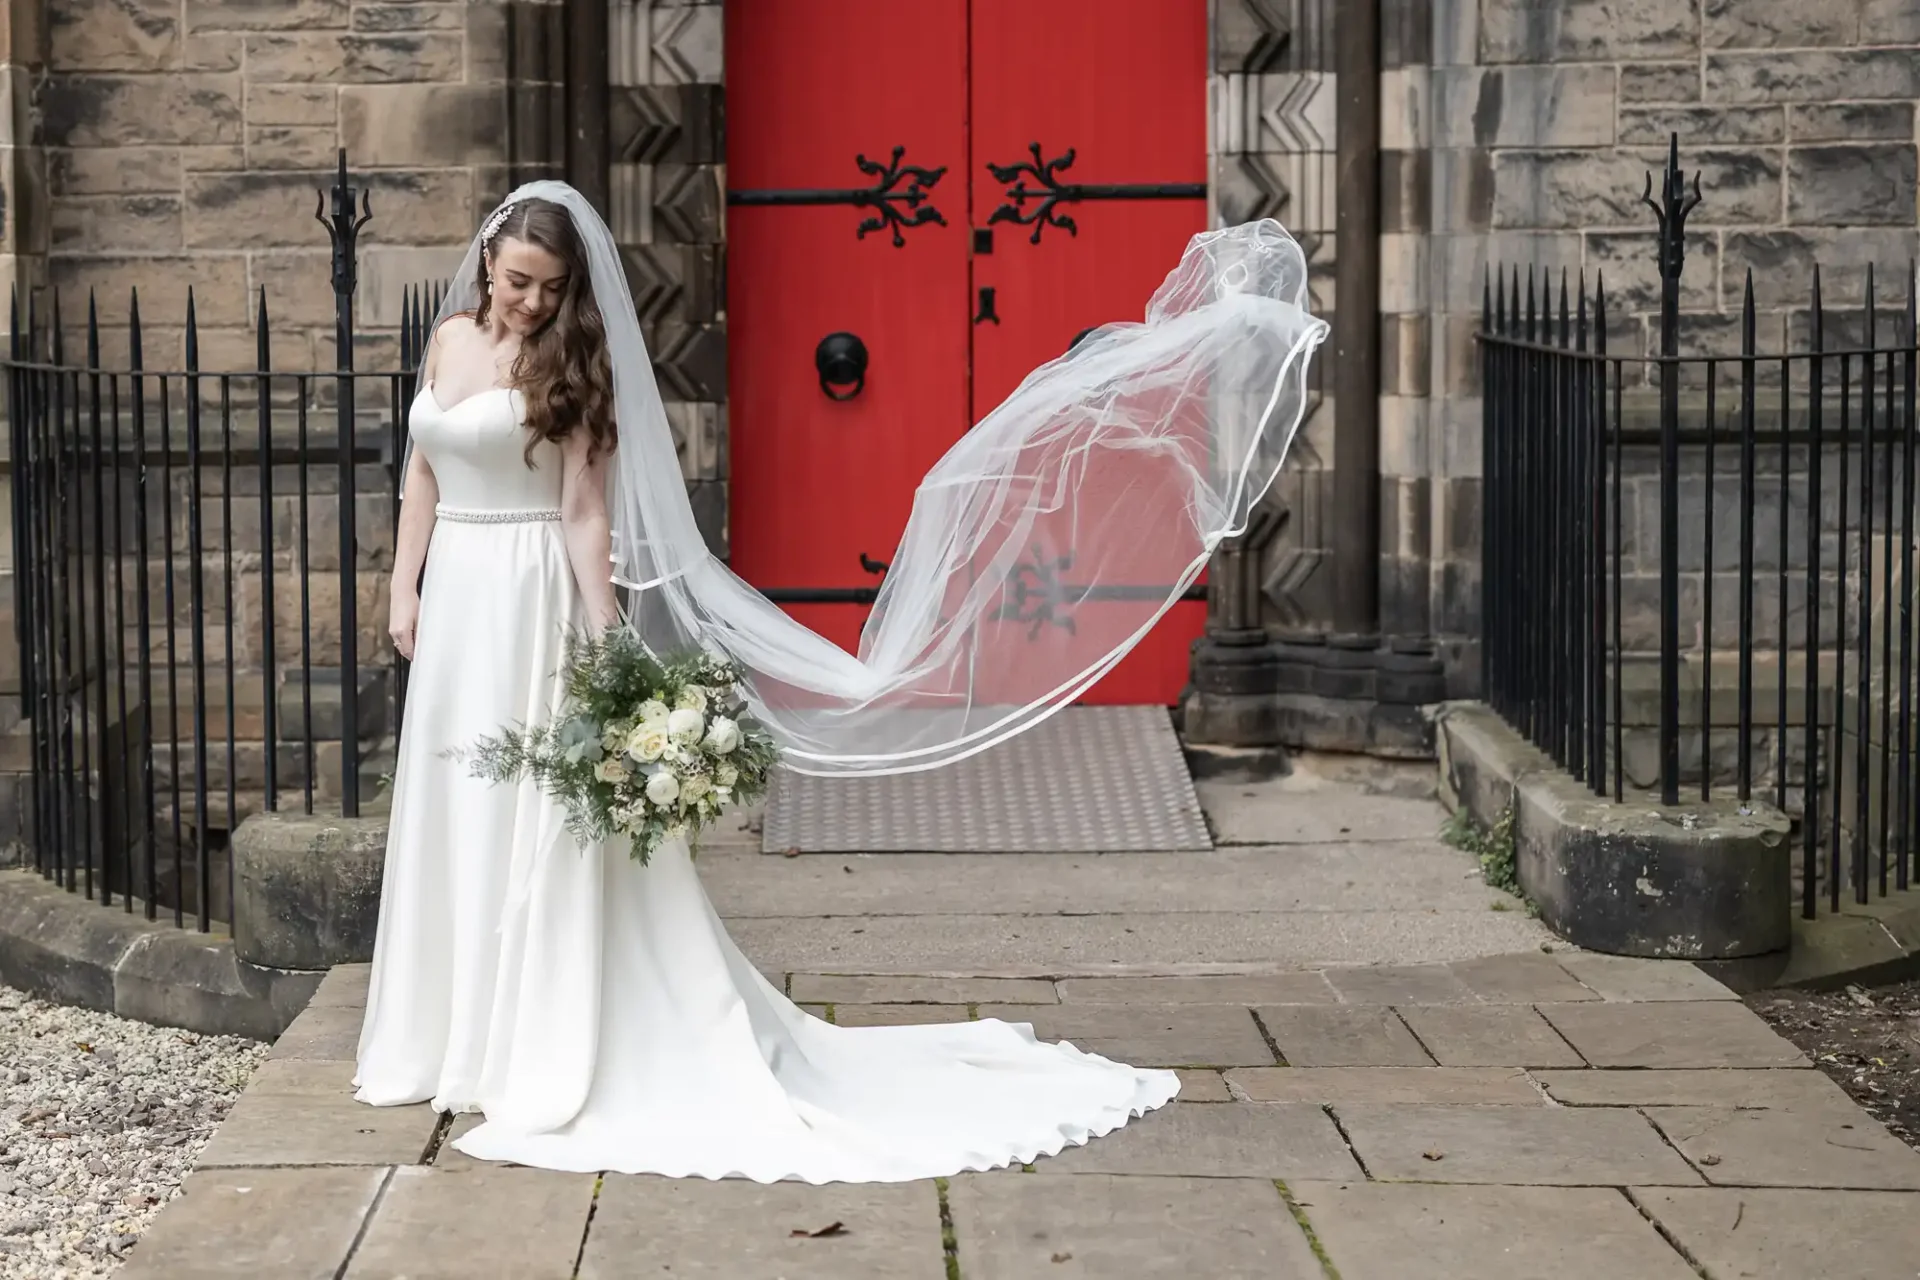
898, 196
1052, 192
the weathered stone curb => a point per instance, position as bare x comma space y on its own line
1698, 882
66, 948
1867, 944
306, 889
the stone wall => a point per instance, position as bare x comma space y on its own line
185, 141
1544, 117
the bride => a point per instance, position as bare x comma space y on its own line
594, 1010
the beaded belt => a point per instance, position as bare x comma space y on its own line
495, 515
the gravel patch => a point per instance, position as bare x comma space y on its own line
100, 1120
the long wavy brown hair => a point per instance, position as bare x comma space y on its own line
562, 370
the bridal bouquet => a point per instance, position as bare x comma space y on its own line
644, 747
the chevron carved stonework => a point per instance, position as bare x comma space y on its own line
1252, 36
667, 136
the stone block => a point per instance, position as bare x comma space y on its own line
1699, 126
384, 58
1519, 979
296, 1224
696, 437
265, 210
306, 889
1423, 1086
1783, 1235
841, 989
419, 125
1479, 1037
435, 16
109, 224
106, 111
434, 1224
344, 987
1783, 1090
1552, 189
1204, 1086
1342, 1036
1375, 1232
1812, 76
1240, 989
175, 978
317, 1125
218, 281
1820, 1148
1541, 31
1399, 984
324, 1033
698, 1230
59, 946
1248, 1140
251, 15
1777, 24
686, 43
113, 35
386, 276
1028, 1226
1522, 106
93, 171
1849, 186
1512, 1146
1629, 265
1148, 1035
1660, 82
1689, 1034
291, 147
1889, 22
1851, 122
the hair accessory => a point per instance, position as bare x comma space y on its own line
491, 227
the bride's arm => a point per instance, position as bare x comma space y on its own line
419, 495
588, 532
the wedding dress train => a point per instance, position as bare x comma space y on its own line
593, 1009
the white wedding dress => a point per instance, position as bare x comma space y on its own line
593, 1009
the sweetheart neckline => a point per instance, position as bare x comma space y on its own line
433, 397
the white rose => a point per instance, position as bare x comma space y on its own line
652, 711
686, 725
610, 770
693, 788
647, 743
692, 698
663, 788
726, 775
724, 737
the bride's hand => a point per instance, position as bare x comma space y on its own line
403, 617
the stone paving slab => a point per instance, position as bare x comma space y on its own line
1432, 1086
1822, 1148
248, 1224
1247, 1140
1405, 1232
1342, 1036
317, 1125
1679, 1034
344, 987
1253, 813
1787, 1089
1757, 1234
1520, 979
1043, 1225
817, 988
435, 1225
1400, 984
1203, 1086
1309, 987
1149, 1035
324, 1033
896, 1015
1520, 1146
1629, 979
692, 1229
1482, 1036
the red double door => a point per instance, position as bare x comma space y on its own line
951, 308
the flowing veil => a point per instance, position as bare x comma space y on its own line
1040, 549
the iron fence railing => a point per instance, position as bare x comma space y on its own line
190, 630
1698, 569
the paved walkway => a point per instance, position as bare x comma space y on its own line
1485, 1116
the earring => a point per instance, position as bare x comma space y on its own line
489, 286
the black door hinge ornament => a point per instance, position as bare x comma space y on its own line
1051, 192
986, 313
899, 196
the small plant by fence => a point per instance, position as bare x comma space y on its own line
198, 556
1699, 567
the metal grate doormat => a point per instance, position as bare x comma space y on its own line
1088, 779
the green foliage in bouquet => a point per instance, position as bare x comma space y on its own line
643, 747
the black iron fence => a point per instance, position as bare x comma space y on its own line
1698, 574
197, 557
